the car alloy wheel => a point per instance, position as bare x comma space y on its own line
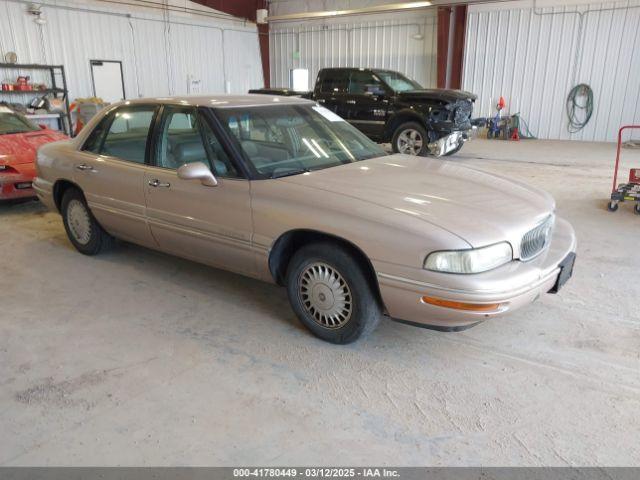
410, 142
79, 221
325, 295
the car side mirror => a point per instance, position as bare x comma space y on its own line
197, 171
42, 126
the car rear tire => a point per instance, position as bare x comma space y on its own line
83, 230
330, 293
410, 138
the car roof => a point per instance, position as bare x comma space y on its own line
220, 101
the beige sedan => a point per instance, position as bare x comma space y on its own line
283, 190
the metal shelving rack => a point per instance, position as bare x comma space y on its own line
57, 75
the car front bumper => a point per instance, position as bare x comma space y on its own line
449, 143
509, 287
17, 185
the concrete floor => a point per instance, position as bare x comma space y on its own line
138, 358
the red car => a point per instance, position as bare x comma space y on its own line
19, 141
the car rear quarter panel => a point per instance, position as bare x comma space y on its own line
53, 163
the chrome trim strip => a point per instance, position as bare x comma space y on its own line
116, 211
368, 122
414, 282
216, 237
510, 293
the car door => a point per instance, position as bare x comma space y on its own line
368, 103
331, 90
208, 224
110, 167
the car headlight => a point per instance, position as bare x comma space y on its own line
475, 260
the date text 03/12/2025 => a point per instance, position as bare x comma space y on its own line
316, 472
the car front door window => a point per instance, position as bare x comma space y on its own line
364, 83
187, 138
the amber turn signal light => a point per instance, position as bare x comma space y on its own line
475, 307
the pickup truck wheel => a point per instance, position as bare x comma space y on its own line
83, 230
410, 138
330, 294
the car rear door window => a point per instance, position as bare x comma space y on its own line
94, 140
127, 135
335, 81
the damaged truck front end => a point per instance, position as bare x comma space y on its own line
389, 107
445, 114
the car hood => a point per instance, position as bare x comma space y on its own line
448, 96
21, 148
479, 207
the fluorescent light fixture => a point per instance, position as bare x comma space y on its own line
392, 7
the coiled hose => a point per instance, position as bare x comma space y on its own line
579, 107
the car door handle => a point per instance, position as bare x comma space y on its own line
83, 167
353, 102
157, 183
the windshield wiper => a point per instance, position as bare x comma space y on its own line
288, 173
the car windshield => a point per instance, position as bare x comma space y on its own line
11, 122
397, 81
293, 139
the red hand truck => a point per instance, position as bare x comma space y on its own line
625, 191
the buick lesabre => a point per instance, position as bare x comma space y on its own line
284, 190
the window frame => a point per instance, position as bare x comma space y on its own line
203, 115
108, 120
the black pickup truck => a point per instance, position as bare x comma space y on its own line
389, 107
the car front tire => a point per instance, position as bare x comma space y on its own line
410, 138
330, 293
84, 232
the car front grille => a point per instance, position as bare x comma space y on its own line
536, 240
462, 114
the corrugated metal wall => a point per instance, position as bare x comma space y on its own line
157, 55
534, 58
365, 41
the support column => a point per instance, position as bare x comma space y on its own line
263, 38
452, 23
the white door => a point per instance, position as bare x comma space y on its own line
108, 82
